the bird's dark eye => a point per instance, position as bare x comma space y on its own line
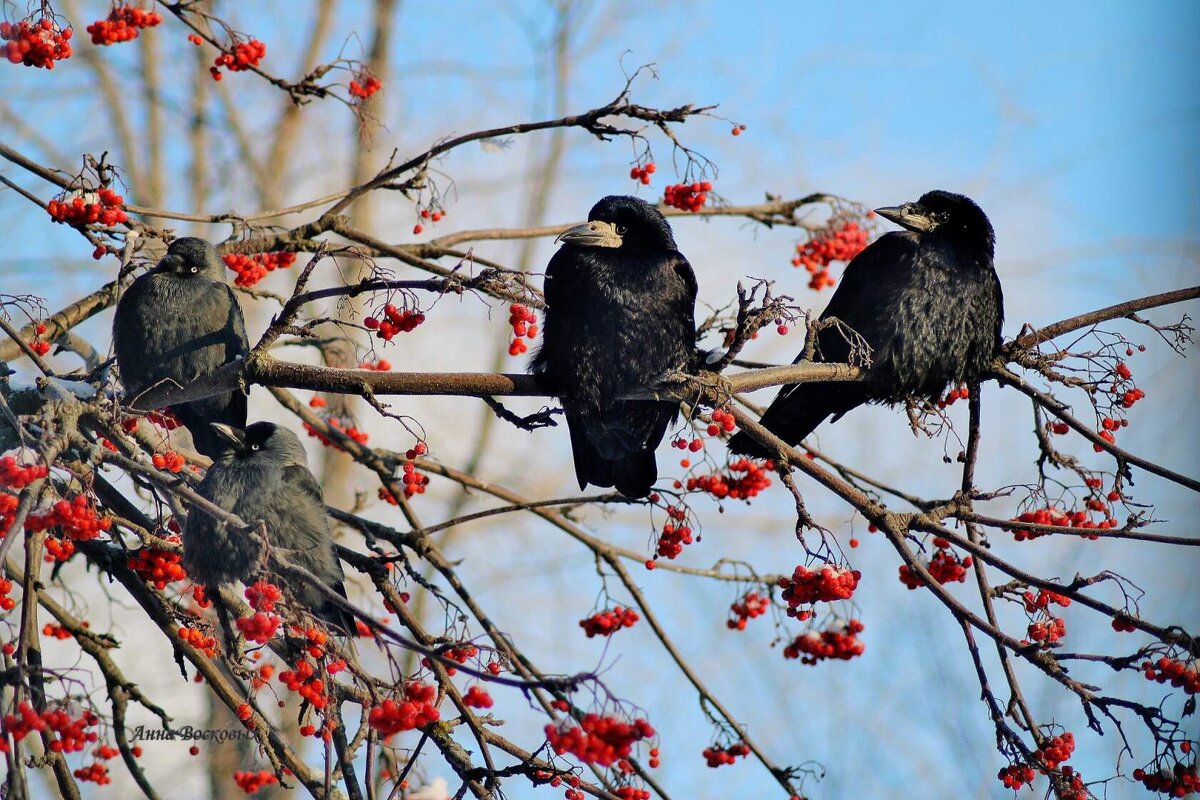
621, 230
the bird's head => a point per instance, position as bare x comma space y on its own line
262, 440
189, 257
944, 213
620, 221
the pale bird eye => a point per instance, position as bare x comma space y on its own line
621, 230
254, 447
195, 269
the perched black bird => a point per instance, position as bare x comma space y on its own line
620, 302
177, 323
261, 474
927, 302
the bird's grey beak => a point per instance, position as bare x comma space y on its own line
909, 215
230, 434
592, 234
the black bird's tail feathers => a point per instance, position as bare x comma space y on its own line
617, 448
796, 412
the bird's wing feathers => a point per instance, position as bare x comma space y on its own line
300, 478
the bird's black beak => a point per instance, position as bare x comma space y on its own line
230, 434
592, 234
910, 215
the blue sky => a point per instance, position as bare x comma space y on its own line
1074, 125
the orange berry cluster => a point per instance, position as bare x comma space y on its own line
833, 243
1056, 750
524, 323
1015, 776
334, 422
105, 209
303, 679
55, 631
672, 540
170, 461
95, 773
395, 321
959, 393
199, 640
752, 480
158, 566
382, 365
416, 710
1052, 516
364, 85
751, 605
72, 733
476, 697
608, 622
36, 44
6, 602
37, 343
122, 25
642, 173
1043, 600
720, 756
826, 585
687, 196
241, 56
76, 518
1047, 632
597, 740
15, 476
251, 782
254, 267
260, 627
834, 643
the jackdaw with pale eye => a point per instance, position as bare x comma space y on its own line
178, 323
261, 474
620, 315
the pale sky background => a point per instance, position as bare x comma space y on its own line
1074, 125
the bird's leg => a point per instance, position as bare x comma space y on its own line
232, 650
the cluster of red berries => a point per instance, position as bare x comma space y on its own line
1043, 600
103, 207
720, 756
1123, 624
642, 173
833, 243
1180, 781
416, 710
606, 623
1056, 750
672, 540
746, 479
1048, 631
72, 732
461, 654
352, 431
394, 321
260, 627
834, 643
241, 56
164, 419
170, 461
596, 739
382, 365
76, 518
55, 631
826, 585
722, 420
750, 605
158, 566
1052, 516
1016, 775
37, 344
413, 480
687, 196
199, 640
364, 85
263, 595
8, 510
625, 793
6, 602
694, 446
252, 268
524, 324
944, 567
251, 782
122, 25
15, 476
36, 44
959, 393
95, 773
430, 214
1174, 672
476, 697
1108, 431
303, 679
